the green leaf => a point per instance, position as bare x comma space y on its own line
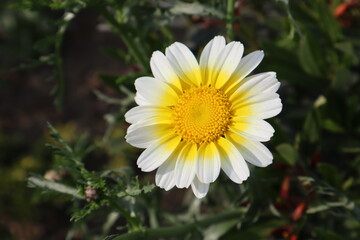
56, 136
332, 126
343, 79
260, 230
307, 56
326, 21
88, 209
320, 207
327, 234
148, 188
277, 57
128, 78
115, 81
116, 53
288, 153
330, 174
349, 56
133, 190
311, 127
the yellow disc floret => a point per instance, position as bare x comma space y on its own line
202, 114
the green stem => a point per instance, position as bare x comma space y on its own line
60, 87
230, 20
129, 42
165, 232
134, 225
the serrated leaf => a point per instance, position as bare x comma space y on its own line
133, 190
148, 188
56, 136
36, 181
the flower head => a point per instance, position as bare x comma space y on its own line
194, 119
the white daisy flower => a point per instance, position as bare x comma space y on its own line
194, 119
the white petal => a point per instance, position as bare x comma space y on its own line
255, 84
209, 57
154, 121
184, 63
142, 136
228, 61
140, 100
232, 162
165, 175
186, 166
252, 128
248, 64
156, 154
253, 152
163, 71
155, 92
264, 105
254, 99
208, 163
245, 67
139, 113
200, 189
267, 109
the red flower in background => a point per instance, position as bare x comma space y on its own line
284, 190
299, 211
286, 232
347, 12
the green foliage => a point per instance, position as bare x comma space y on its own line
100, 189
288, 153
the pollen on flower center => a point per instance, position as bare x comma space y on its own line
202, 114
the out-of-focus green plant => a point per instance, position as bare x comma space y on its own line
312, 191
113, 190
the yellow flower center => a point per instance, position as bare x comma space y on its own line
202, 114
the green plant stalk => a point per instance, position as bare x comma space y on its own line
164, 232
60, 87
132, 221
230, 20
136, 54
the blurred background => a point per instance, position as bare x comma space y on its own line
73, 63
